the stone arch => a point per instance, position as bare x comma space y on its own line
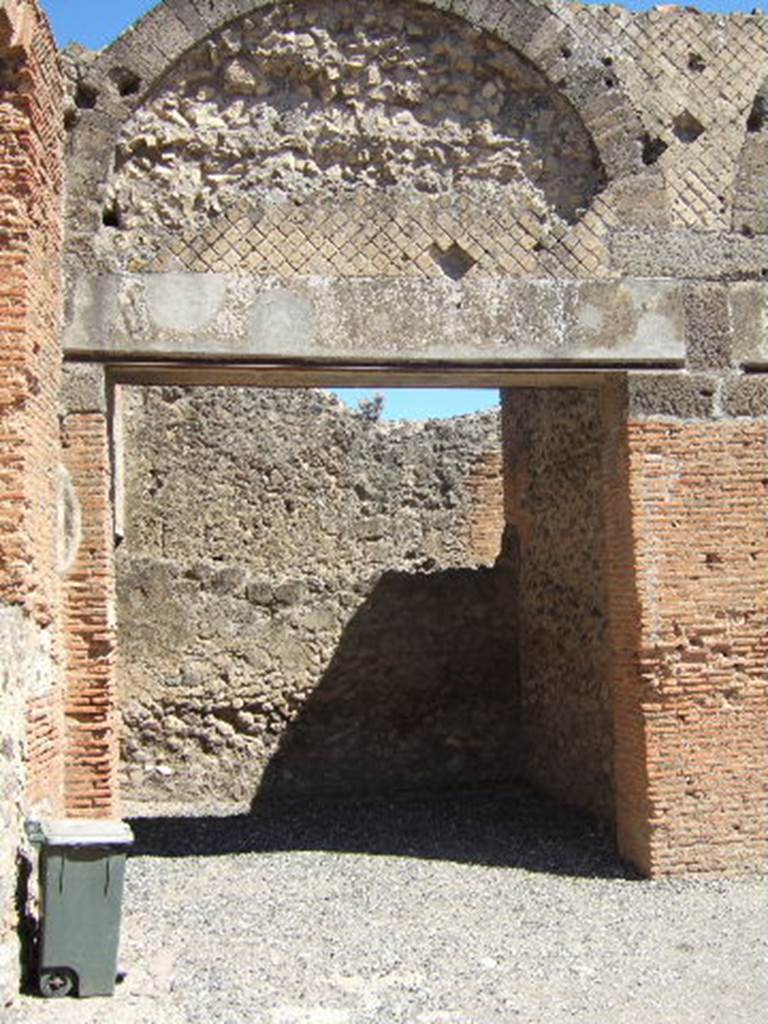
750, 187
111, 87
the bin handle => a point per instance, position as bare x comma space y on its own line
108, 876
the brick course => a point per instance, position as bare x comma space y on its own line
486, 481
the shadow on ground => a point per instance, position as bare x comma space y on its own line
513, 828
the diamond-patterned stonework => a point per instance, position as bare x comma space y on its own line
360, 237
678, 61
524, 133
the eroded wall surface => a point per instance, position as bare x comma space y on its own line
530, 176
307, 599
553, 452
31, 714
686, 506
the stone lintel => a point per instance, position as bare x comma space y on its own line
491, 320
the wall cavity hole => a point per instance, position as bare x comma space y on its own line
696, 63
747, 231
110, 216
127, 82
566, 52
686, 127
86, 96
607, 61
756, 119
652, 148
609, 82
454, 262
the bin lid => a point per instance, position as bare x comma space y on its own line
79, 832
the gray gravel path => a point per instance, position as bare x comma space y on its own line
473, 909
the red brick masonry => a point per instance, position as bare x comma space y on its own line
31, 171
89, 602
691, 644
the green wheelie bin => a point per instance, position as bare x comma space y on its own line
82, 869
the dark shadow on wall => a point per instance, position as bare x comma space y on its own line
409, 746
422, 693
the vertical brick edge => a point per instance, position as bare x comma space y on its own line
688, 548
92, 719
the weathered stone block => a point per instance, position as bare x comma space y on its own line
708, 327
84, 388
481, 319
749, 316
746, 396
683, 396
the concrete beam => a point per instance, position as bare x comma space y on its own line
500, 321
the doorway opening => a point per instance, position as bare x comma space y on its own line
316, 603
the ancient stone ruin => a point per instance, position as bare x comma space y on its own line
261, 594
306, 612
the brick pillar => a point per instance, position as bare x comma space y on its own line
92, 720
31, 719
687, 519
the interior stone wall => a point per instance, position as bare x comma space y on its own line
553, 462
308, 600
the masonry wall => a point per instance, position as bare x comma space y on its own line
553, 440
308, 600
690, 636
31, 770
387, 184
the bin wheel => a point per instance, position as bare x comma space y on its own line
57, 982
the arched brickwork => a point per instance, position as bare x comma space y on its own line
109, 89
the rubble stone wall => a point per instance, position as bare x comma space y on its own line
345, 172
308, 600
553, 450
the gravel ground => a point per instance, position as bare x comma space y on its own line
469, 909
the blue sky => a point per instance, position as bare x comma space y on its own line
96, 23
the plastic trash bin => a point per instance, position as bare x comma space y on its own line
82, 869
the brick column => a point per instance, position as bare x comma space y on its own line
31, 719
92, 720
687, 518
